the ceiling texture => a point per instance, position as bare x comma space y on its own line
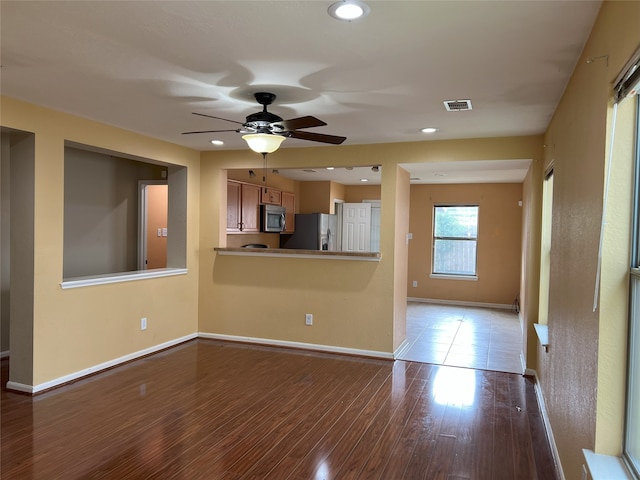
146, 66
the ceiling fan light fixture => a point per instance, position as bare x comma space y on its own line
349, 10
263, 142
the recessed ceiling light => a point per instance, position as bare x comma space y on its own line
364, 180
349, 10
217, 142
330, 168
429, 130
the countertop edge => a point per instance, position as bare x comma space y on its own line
291, 253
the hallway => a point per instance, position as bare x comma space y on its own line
458, 336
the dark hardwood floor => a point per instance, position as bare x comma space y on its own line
214, 410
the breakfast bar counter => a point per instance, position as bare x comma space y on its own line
295, 253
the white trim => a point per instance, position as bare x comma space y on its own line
542, 331
444, 276
121, 277
459, 302
4, 354
97, 368
298, 345
523, 363
605, 467
547, 426
19, 387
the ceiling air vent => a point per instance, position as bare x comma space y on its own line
457, 105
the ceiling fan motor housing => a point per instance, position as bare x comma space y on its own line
261, 121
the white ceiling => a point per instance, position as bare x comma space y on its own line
146, 66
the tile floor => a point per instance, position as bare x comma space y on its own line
472, 337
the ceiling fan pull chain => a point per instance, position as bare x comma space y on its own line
264, 171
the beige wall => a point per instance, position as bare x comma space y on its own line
498, 250
157, 208
358, 193
274, 180
81, 328
356, 305
21, 255
400, 208
530, 260
316, 197
582, 376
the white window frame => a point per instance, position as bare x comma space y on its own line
449, 275
632, 425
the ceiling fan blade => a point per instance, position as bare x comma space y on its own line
317, 137
301, 122
217, 118
210, 131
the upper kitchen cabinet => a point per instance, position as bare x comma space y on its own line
289, 203
243, 207
271, 196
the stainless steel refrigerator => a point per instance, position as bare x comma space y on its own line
314, 231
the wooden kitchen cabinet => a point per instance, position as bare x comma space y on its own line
270, 196
289, 203
234, 192
243, 207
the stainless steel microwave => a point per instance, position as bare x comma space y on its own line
272, 218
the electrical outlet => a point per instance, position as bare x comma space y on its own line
415, 283
143, 323
308, 319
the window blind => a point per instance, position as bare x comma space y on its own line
628, 81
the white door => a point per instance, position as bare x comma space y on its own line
356, 227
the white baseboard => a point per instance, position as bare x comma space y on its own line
20, 387
461, 303
547, 424
299, 345
96, 368
4, 354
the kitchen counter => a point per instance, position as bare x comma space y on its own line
295, 253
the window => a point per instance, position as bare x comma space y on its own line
632, 429
628, 85
455, 239
545, 249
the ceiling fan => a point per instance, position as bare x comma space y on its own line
265, 123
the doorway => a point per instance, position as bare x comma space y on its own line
152, 240
17, 206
